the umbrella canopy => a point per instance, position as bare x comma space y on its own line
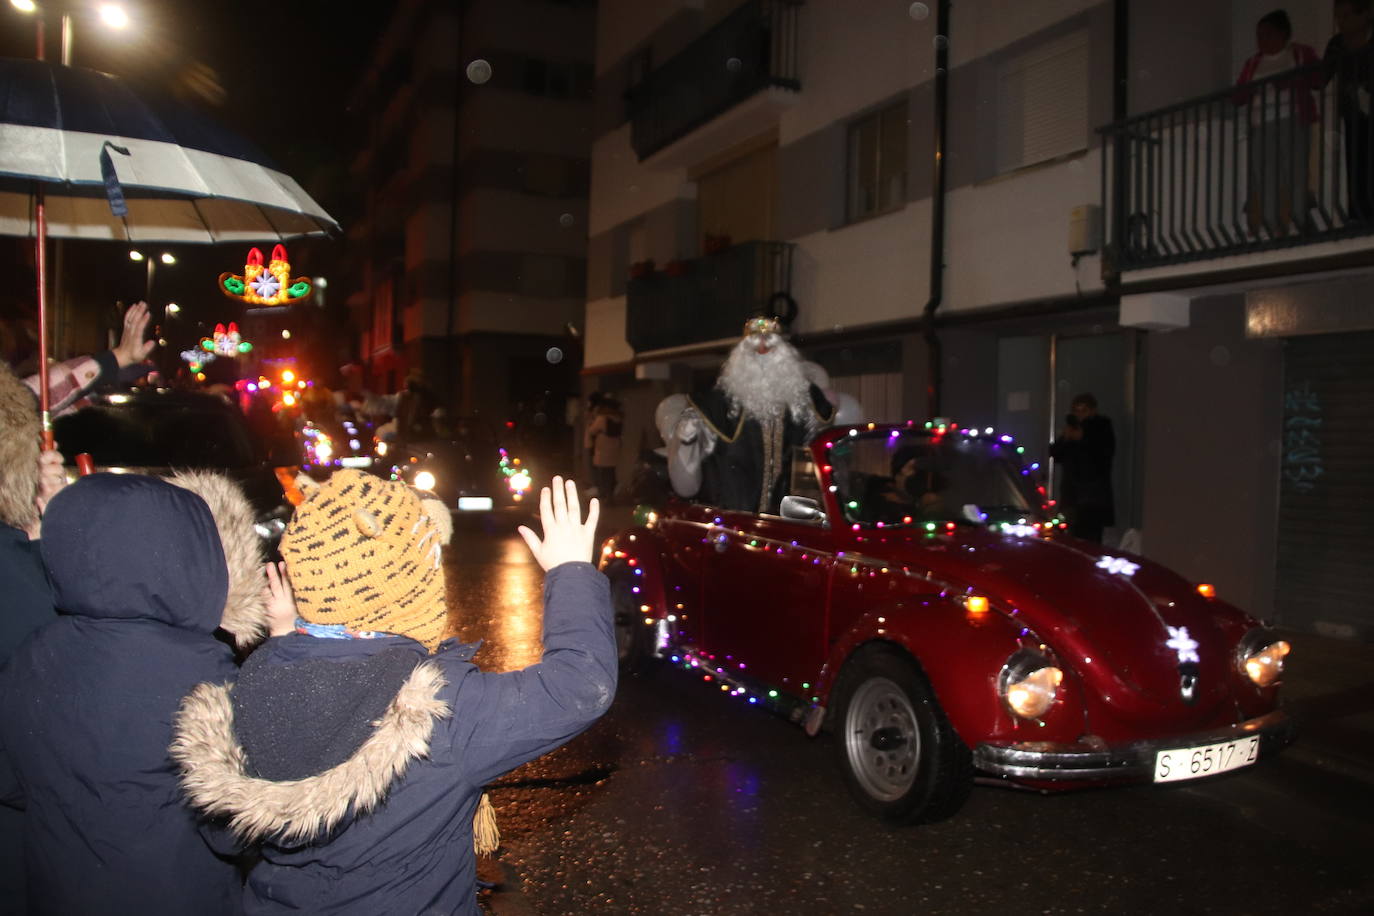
87, 139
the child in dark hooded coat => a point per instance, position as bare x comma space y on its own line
354, 750
140, 577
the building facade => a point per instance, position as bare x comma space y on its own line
469, 255
982, 212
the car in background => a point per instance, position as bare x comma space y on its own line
465, 465
161, 431
918, 596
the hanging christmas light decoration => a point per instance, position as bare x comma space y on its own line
225, 342
266, 286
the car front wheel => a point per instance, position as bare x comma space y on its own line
901, 758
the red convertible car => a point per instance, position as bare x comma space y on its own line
918, 596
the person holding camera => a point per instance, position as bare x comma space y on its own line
1084, 450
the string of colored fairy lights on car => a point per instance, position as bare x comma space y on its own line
518, 479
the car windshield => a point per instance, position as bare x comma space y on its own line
157, 432
914, 477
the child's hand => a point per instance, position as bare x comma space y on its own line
281, 606
567, 539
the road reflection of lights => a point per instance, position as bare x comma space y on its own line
519, 621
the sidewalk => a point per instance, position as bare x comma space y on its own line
1328, 688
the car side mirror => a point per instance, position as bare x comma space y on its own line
802, 509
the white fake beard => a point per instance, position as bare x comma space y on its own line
767, 385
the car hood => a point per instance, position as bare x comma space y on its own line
1111, 627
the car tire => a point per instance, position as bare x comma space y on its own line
634, 640
901, 758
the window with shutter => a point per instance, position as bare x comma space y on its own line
1042, 103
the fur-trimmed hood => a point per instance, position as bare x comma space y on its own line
245, 610
19, 431
216, 770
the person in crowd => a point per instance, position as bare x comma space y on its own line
731, 446
143, 571
603, 441
1349, 60
28, 480
69, 382
352, 750
1084, 450
1281, 115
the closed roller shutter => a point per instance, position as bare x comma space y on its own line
1326, 489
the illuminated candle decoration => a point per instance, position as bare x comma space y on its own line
226, 342
266, 285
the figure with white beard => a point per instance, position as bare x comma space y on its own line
731, 446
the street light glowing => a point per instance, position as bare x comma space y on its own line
135, 255
168, 258
113, 15
24, 6
173, 308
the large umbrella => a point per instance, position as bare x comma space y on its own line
83, 156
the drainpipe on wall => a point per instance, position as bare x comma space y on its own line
937, 213
449, 397
1121, 44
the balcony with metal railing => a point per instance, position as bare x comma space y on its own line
752, 49
707, 298
1276, 163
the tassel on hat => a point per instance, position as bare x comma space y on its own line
486, 836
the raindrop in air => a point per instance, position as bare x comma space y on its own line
919, 11
479, 71
566, 220
554, 355
940, 42
733, 64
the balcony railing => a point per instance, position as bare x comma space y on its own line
1278, 162
751, 49
708, 298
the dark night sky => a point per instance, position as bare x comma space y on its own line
288, 70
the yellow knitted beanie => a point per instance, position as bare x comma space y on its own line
364, 553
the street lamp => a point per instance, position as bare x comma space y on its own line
165, 257
112, 14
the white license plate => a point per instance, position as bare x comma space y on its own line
1206, 760
474, 503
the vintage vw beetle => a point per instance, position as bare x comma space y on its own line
919, 596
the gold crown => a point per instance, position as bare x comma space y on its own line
762, 326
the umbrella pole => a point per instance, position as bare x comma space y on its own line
41, 246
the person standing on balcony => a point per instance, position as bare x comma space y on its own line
1348, 60
1281, 115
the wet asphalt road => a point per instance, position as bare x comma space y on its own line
682, 800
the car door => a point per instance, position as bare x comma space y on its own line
765, 586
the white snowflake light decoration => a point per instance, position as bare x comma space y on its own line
1183, 644
265, 285
1118, 566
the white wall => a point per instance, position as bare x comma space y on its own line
605, 333
622, 188
1007, 240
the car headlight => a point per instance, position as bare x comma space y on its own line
1260, 657
424, 480
1029, 683
519, 482
381, 449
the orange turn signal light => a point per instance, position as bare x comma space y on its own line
977, 604
1207, 591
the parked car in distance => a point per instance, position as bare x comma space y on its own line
919, 597
160, 431
465, 465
